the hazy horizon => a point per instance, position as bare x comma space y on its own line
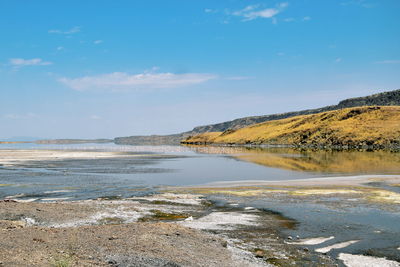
104, 69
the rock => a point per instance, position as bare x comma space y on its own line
8, 200
112, 262
259, 253
224, 243
290, 238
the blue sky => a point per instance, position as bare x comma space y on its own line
88, 69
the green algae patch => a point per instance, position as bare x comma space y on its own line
237, 191
63, 261
159, 215
247, 193
307, 192
385, 196
277, 260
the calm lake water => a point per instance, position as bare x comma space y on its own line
152, 167
155, 166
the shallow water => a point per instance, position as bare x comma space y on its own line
154, 166
148, 168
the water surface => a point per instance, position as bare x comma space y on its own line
140, 170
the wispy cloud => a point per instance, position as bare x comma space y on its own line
289, 20
20, 62
253, 12
362, 3
98, 42
390, 61
122, 81
95, 117
73, 30
339, 59
306, 18
12, 116
209, 10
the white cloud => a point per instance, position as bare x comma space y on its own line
306, 18
95, 117
98, 42
289, 20
390, 61
20, 62
362, 3
339, 59
28, 115
122, 81
254, 11
209, 10
73, 30
60, 48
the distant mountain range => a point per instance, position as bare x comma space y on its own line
391, 98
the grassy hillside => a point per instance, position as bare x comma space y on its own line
391, 98
349, 127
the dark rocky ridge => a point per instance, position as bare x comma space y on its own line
391, 98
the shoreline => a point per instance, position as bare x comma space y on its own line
171, 229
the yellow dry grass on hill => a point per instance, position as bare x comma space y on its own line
361, 126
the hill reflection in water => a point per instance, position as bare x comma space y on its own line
322, 161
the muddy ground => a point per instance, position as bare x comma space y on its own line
163, 230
